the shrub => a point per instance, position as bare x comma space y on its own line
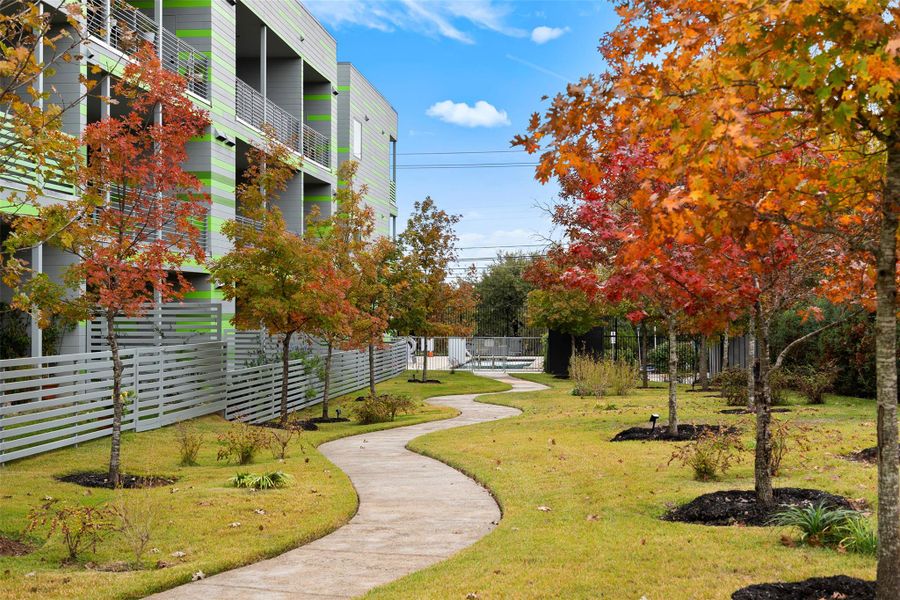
264, 481
595, 377
812, 382
189, 443
779, 382
785, 436
819, 524
136, 516
241, 443
710, 455
80, 527
659, 357
383, 408
859, 536
733, 382
279, 439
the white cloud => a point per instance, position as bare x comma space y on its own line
544, 34
434, 18
482, 114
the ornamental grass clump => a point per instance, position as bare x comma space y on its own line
819, 524
264, 481
602, 377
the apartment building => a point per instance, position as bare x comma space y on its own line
249, 63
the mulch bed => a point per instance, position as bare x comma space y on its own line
129, 482
739, 507
276, 424
420, 381
686, 432
747, 411
817, 588
328, 420
867, 455
11, 547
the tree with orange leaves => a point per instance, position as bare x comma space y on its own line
138, 212
802, 94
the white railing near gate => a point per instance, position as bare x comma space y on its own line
57, 401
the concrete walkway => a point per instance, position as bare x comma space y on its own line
413, 512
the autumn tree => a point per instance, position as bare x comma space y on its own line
727, 86
434, 304
134, 222
502, 291
278, 279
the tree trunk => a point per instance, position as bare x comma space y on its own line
704, 364
285, 369
372, 369
888, 577
751, 362
645, 374
763, 407
673, 378
725, 349
327, 383
115, 449
425, 362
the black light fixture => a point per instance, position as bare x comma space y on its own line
338, 412
653, 419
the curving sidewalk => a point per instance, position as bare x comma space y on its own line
413, 512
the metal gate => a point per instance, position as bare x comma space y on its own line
498, 354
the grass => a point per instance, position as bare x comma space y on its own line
195, 515
602, 537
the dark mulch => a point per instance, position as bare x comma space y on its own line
817, 588
11, 547
686, 432
129, 482
328, 420
867, 455
739, 507
276, 424
420, 381
747, 411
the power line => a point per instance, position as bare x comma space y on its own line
453, 152
500, 247
467, 166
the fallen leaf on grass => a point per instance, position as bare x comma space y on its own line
593, 518
235, 524
198, 576
544, 508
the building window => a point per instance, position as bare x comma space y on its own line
357, 139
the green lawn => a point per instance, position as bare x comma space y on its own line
194, 515
603, 537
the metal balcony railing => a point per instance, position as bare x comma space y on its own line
392, 192
169, 229
248, 222
259, 112
125, 28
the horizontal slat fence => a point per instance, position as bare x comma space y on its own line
169, 324
254, 393
56, 401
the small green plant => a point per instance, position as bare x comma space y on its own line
859, 536
189, 443
819, 524
779, 382
80, 527
710, 455
241, 443
383, 408
264, 481
812, 383
733, 384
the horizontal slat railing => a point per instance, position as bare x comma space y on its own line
57, 401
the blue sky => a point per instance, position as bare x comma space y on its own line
465, 76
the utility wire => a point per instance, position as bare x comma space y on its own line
466, 166
454, 152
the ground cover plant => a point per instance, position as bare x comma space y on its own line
202, 523
603, 537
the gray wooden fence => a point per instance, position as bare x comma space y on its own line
56, 401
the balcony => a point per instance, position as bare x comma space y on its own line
257, 111
392, 192
125, 28
248, 222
